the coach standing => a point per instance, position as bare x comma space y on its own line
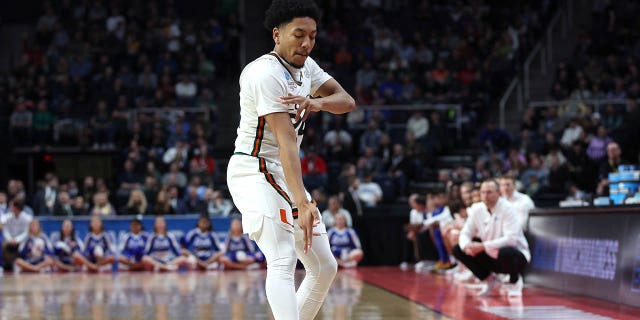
492, 242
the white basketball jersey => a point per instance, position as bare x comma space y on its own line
262, 83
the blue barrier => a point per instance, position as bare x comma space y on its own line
118, 225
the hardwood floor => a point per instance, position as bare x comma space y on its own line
364, 293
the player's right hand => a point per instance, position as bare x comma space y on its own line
307, 217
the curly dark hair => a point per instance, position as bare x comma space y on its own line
283, 11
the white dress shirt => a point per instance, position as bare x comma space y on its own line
497, 230
16, 228
523, 204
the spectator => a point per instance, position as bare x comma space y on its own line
162, 205
80, 208
217, 205
64, 206
43, 121
4, 204
597, 149
400, 170
101, 123
418, 125
345, 243
369, 192
202, 164
15, 231
20, 123
495, 247
351, 198
314, 170
128, 180
612, 120
176, 203
192, 202
45, 199
369, 163
101, 205
178, 153
371, 137
137, 204
335, 207
521, 202
186, 91
174, 177
610, 166
534, 173
559, 176
494, 138
415, 230
88, 187
338, 142
440, 215
571, 133
34, 251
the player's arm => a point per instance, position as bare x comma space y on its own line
333, 99
280, 124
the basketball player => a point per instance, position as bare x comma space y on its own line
264, 174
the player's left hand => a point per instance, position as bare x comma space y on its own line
305, 105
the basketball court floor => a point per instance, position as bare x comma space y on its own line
364, 293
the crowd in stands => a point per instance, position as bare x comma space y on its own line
89, 69
86, 67
570, 148
417, 52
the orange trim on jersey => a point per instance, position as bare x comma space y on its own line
272, 181
283, 216
259, 135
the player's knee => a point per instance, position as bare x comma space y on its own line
328, 269
282, 265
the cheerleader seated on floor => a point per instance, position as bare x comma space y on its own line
33, 253
239, 251
345, 243
98, 247
202, 247
132, 247
162, 252
67, 249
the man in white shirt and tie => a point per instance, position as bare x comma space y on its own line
492, 242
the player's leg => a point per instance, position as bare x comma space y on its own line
277, 245
24, 265
321, 267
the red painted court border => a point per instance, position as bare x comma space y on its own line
440, 294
